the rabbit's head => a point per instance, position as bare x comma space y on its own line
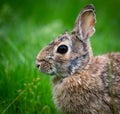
69, 53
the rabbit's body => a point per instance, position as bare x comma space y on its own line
93, 90
82, 83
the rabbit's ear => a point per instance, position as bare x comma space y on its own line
84, 25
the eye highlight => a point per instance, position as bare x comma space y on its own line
62, 49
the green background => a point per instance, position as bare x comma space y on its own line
28, 25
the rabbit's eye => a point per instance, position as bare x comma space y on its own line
62, 49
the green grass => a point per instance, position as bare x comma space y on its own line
23, 89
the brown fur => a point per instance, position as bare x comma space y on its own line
89, 91
82, 83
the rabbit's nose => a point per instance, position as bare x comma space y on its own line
37, 64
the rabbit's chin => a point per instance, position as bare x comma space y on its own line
54, 72
51, 72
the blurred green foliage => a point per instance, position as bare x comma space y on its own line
25, 27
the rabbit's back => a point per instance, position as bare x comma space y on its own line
95, 89
111, 81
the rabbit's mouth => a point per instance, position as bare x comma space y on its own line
45, 67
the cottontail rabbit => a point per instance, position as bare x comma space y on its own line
82, 83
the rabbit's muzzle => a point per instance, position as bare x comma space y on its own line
45, 67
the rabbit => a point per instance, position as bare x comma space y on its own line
82, 83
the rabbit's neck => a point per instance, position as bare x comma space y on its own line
59, 79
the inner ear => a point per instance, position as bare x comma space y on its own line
84, 25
